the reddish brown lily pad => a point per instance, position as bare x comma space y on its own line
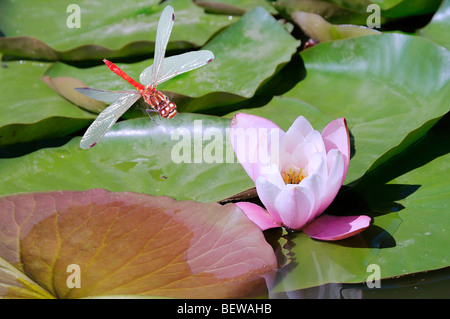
130, 244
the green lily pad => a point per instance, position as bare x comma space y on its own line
247, 54
97, 243
437, 29
32, 111
389, 96
106, 30
180, 157
414, 179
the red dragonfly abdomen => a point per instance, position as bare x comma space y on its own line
123, 75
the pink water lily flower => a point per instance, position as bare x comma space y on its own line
297, 174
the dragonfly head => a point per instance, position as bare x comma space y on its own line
168, 111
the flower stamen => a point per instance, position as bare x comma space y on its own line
293, 176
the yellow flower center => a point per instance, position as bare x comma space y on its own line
293, 176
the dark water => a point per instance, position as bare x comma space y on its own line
426, 285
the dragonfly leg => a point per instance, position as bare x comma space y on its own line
149, 111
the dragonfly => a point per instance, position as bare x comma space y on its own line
160, 71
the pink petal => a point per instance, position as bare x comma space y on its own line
335, 136
251, 121
258, 215
334, 179
328, 227
244, 137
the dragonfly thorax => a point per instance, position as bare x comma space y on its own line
159, 102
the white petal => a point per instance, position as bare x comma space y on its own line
312, 144
301, 125
316, 184
300, 156
273, 176
317, 164
291, 160
292, 138
267, 193
316, 139
268, 153
335, 163
295, 205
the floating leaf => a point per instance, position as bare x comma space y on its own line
107, 30
437, 29
32, 111
94, 243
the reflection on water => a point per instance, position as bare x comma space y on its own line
426, 285
328, 291
311, 269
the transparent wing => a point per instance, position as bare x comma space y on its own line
103, 95
182, 63
165, 25
106, 119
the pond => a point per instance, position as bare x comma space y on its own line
337, 188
